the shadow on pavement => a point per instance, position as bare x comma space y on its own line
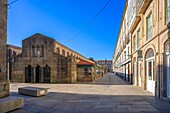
57, 102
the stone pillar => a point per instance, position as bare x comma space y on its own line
4, 84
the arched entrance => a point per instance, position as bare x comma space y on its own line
29, 73
150, 80
38, 74
47, 74
167, 51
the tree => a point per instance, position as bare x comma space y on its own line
92, 59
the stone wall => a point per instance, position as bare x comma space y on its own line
4, 84
38, 52
3, 31
4, 88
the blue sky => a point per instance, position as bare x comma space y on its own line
62, 19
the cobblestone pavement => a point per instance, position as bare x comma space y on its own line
109, 94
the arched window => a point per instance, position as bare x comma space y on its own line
58, 50
42, 51
67, 53
38, 51
33, 51
149, 53
63, 52
167, 47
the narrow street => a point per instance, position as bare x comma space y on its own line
109, 94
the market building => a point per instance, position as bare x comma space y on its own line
88, 71
43, 60
148, 25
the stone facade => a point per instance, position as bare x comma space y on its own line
106, 64
12, 52
149, 38
4, 83
43, 60
3, 31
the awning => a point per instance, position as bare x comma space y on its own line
85, 63
125, 62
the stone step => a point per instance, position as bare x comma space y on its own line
33, 91
10, 103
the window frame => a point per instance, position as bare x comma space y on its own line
147, 24
138, 38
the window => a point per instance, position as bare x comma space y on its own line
167, 10
38, 51
134, 43
33, 51
63, 53
58, 50
149, 26
138, 37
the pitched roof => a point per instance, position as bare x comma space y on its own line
85, 63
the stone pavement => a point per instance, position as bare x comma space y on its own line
109, 94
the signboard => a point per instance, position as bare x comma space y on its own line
139, 53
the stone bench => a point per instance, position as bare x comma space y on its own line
10, 103
33, 91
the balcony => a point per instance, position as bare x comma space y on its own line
142, 5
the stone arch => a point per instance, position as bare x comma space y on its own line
38, 73
67, 53
167, 47
29, 74
63, 52
149, 53
151, 46
58, 50
47, 72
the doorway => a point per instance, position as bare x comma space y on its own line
29, 74
47, 71
38, 74
150, 75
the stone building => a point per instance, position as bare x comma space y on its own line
4, 83
43, 60
150, 40
12, 52
106, 64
